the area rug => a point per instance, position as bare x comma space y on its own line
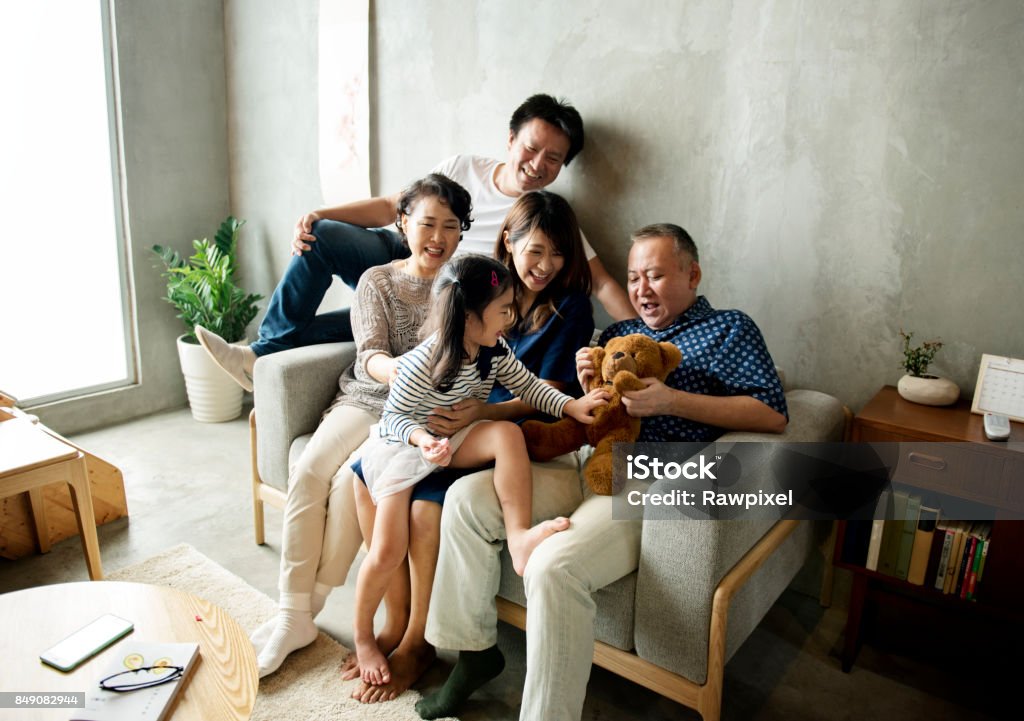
308, 686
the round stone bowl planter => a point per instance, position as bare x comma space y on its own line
928, 390
213, 395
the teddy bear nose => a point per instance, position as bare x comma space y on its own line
618, 355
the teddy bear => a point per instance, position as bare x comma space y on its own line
618, 366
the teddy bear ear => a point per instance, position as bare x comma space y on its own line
671, 356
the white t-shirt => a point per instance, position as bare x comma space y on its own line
490, 206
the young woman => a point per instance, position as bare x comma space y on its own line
391, 305
463, 357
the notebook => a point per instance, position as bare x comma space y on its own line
146, 704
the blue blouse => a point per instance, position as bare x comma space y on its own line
550, 352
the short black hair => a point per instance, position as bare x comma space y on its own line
444, 189
680, 238
556, 112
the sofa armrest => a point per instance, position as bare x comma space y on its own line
683, 561
292, 389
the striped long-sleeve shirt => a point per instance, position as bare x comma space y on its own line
412, 395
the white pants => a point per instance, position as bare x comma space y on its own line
321, 536
560, 578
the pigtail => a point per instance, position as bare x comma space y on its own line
450, 326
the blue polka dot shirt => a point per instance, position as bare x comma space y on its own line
724, 354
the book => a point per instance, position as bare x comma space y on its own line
954, 558
965, 561
972, 572
922, 548
892, 534
145, 704
984, 555
948, 535
882, 511
906, 546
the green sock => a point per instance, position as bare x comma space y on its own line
473, 670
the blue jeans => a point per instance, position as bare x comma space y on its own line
340, 249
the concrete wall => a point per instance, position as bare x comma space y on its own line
846, 168
174, 134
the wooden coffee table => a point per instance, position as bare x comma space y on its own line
222, 687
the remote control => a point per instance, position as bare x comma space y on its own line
997, 427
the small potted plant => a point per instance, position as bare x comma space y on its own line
918, 385
203, 290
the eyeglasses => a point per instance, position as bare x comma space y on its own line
125, 681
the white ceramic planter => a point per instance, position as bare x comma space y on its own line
928, 391
213, 395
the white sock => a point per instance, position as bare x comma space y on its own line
293, 629
317, 600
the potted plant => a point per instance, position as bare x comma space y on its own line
919, 386
203, 290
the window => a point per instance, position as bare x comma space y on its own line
63, 294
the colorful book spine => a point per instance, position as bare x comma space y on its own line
948, 536
909, 530
892, 535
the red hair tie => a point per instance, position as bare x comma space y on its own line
494, 279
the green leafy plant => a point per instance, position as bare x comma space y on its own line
916, 360
203, 287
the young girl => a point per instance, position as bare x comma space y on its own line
463, 357
391, 306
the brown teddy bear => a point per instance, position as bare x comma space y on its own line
619, 366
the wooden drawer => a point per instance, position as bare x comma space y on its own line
962, 470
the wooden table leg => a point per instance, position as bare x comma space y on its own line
851, 644
81, 497
38, 505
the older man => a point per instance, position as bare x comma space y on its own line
726, 381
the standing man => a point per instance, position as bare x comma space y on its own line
726, 381
544, 134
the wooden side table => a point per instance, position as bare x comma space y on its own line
222, 687
961, 463
31, 459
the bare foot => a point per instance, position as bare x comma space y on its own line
373, 666
387, 642
522, 543
407, 666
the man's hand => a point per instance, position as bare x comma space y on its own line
582, 409
437, 450
449, 421
584, 366
304, 233
654, 400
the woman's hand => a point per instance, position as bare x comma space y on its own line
304, 233
449, 421
582, 409
437, 451
584, 366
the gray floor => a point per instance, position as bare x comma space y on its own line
189, 482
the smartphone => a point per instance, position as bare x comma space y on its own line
86, 642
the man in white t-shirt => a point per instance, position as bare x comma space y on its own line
544, 134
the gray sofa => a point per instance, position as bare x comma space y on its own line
701, 588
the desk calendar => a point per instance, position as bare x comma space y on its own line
1000, 387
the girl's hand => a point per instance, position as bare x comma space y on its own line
584, 366
304, 233
582, 409
449, 421
437, 450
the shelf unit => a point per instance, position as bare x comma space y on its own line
944, 450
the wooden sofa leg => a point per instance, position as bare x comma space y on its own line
257, 501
